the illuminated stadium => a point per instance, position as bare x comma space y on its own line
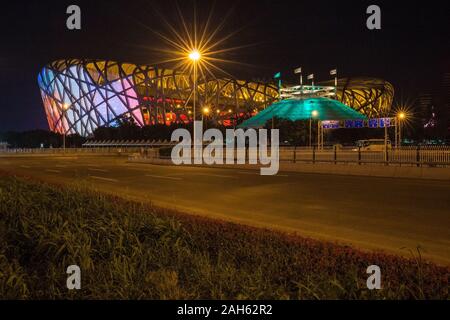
81, 95
369, 96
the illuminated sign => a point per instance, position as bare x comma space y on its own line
373, 123
331, 124
385, 122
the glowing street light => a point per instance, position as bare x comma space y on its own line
401, 117
205, 112
195, 55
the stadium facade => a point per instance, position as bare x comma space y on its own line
370, 96
80, 95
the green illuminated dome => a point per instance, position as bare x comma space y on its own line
304, 109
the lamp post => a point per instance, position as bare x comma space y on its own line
385, 138
401, 116
319, 136
194, 56
205, 114
65, 108
277, 76
314, 114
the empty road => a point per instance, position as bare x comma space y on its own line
394, 215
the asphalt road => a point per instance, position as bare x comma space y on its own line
394, 215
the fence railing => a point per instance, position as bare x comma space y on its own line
412, 156
128, 143
407, 155
53, 151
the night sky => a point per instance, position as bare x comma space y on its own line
411, 50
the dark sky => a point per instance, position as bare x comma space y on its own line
410, 50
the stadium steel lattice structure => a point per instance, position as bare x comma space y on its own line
370, 96
80, 95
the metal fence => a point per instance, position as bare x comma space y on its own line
106, 146
411, 156
70, 151
408, 155
128, 143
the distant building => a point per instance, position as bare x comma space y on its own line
444, 102
426, 109
3, 145
434, 107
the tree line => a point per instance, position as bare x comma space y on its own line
291, 132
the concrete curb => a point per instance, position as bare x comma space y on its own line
433, 173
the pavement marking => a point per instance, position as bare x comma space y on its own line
258, 174
104, 179
51, 170
99, 170
247, 172
163, 177
139, 169
60, 166
26, 167
215, 175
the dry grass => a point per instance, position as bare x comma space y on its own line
128, 250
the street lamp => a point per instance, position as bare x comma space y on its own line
205, 112
401, 116
194, 56
65, 106
314, 114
